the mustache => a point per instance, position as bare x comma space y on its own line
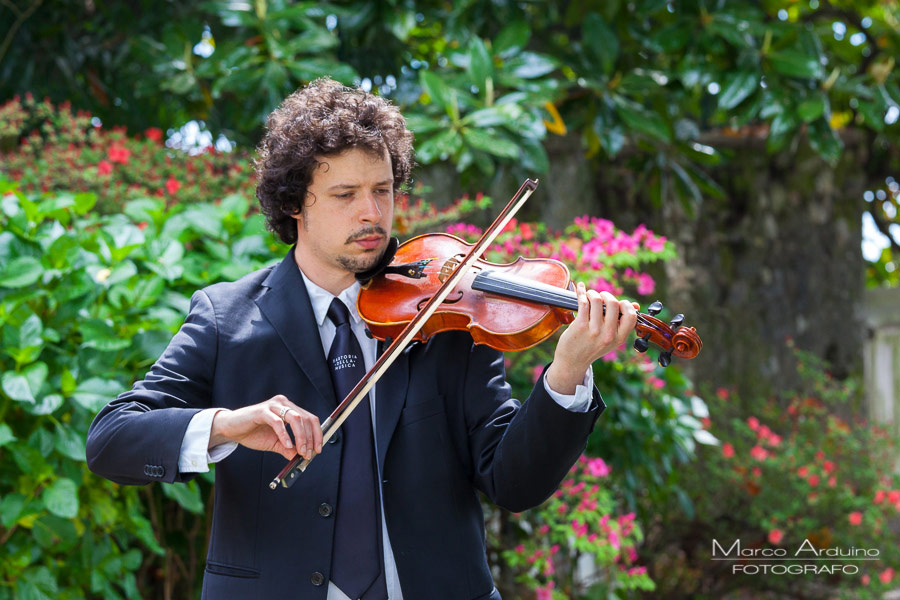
368, 231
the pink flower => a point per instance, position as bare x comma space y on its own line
813, 480
879, 497
520, 549
645, 284
759, 453
656, 382
775, 536
655, 244
580, 529
722, 393
886, 575
727, 450
172, 186
803, 471
865, 579
536, 373
894, 496
614, 540
543, 529
753, 423
855, 518
597, 467
829, 466
104, 167
545, 593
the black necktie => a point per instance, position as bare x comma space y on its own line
357, 553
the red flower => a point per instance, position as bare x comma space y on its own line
775, 536
727, 450
886, 575
104, 167
879, 497
803, 471
119, 154
829, 466
759, 453
722, 393
894, 496
855, 518
172, 186
813, 480
154, 133
753, 422
527, 231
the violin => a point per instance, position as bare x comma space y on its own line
423, 289
509, 307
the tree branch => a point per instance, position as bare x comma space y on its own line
21, 18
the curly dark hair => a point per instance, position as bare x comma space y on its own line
323, 119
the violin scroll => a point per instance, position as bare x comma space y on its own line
672, 338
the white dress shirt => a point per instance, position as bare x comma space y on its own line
195, 458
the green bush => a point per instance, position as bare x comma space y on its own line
87, 303
803, 475
47, 148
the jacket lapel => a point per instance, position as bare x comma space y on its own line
287, 307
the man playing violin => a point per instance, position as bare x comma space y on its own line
390, 508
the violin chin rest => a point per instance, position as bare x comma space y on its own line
386, 258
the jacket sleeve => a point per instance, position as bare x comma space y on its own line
136, 438
521, 452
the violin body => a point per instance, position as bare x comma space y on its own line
390, 301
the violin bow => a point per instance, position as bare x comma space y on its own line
298, 464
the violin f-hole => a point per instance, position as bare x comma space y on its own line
424, 301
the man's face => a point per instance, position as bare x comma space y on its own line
346, 219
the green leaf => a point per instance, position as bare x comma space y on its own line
439, 147
10, 508
84, 202
24, 386
439, 92
69, 443
186, 495
531, 65
46, 405
601, 42
485, 141
796, 64
481, 66
61, 498
737, 88
94, 393
20, 272
6, 435
642, 120
102, 336
512, 38
825, 141
812, 109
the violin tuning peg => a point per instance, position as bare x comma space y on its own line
665, 359
676, 321
655, 308
369, 334
641, 345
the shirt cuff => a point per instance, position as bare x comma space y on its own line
580, 401
194, 456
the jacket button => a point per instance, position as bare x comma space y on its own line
317, 578
325, 509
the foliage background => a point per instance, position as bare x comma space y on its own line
655, 111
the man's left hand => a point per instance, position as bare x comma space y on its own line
593, 333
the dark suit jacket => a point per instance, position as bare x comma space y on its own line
446, 426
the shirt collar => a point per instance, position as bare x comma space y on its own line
321, 299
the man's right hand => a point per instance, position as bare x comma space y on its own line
261, 427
